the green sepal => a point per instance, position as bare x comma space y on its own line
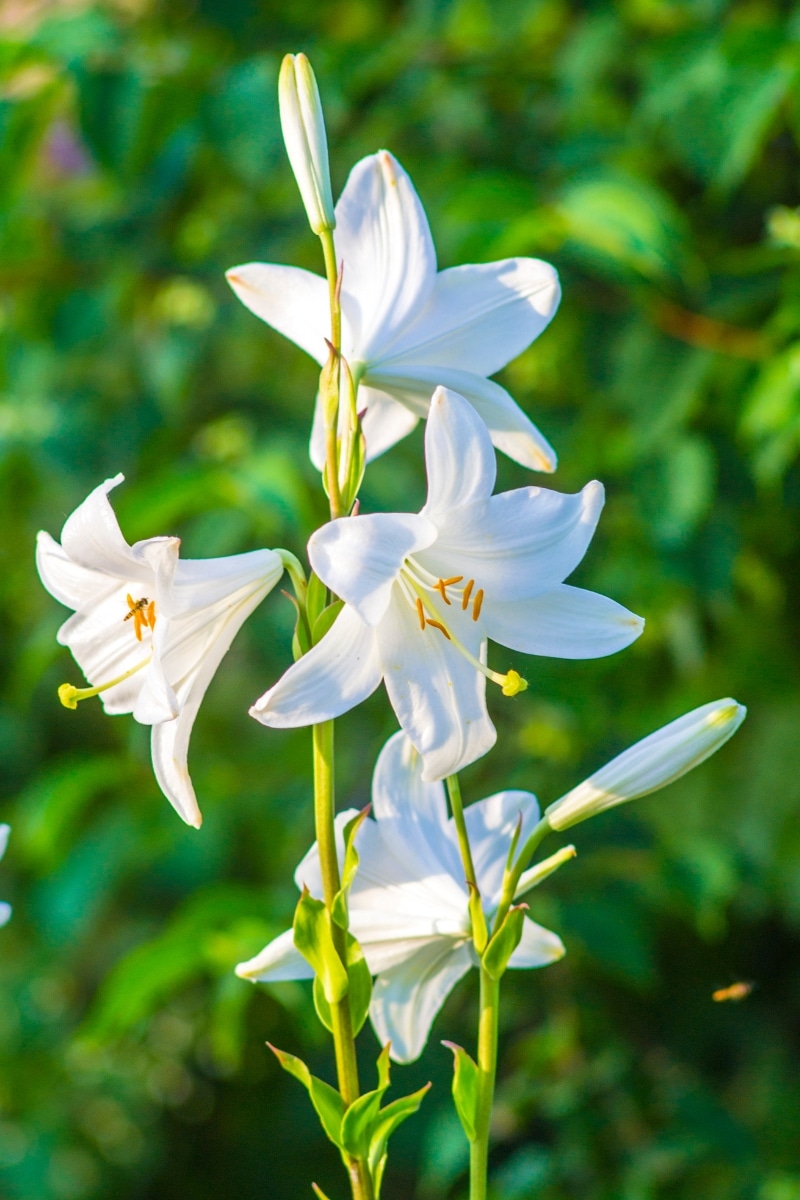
504, 942
313, 937
301, 642
359, 989
355, 476
480, 931
388, 1120
325, 620
349, 868
326, 1100
465, 1088
316, 599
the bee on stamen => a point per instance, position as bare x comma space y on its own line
143, 612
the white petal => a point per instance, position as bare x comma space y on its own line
491, 824
309, 873
517, 544
538, 947
336, 675
459, 457
70, 582
567, 622
652, 763
509, 428
439, 697
292, 301
407, 998
277, 961
385, 422
156, 700
359, 558
92, 536
5, 913
480, 317
383, 239
169, 748
104, 645
5, 830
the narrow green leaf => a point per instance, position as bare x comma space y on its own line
313, 937
361, 1117
505, 941
359, 989
384, 1066
480, 932
349, 868
316, 599
465, 1088
388, 1120
325, 620
326, 1100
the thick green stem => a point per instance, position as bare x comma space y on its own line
343, 1040
456, 804
487, 1071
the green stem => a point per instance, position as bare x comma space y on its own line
343, 1039
332, 274
487, 1071
512, 876
457, 805
331, 411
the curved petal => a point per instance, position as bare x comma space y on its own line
105, 647
491, 824
359, 558
566, 622
156, 701
509, 428
292, 301
481, 316
92, 536
517, 544
406, 999
538, 947
336, 675
169, 748
277, 961
439, 697
385, 422
455, 438
383, 239
69, 582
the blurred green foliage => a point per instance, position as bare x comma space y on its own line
650, 149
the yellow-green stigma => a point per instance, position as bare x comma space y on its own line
514, 684
70, 696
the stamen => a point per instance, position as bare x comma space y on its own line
438, 625
440, 588
151, 614
467, 593
477, 604
420, 614
70, 696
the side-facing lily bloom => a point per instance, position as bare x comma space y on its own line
407, 328
424, 591
5, 909
409, 901
149, 630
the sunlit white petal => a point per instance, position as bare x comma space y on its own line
407, 998
537, 948
279, 960
293, 301
566, 622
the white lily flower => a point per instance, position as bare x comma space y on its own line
424, 591
655, 761
148, 630
5, 909
303, 128
409, 902
407, 328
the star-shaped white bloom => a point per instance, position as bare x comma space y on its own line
407, 328
149, 630
409, 901
5, 909
424, 591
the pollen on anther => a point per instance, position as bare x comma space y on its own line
420, 613
438, 625
440, 587
467, 593
477, 604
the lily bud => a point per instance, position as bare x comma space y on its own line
651, 764
306, 144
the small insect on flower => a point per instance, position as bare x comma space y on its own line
735, 991
143, 612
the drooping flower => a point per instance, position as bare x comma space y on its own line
424, 591
409, 902
5, 909
149, 630
655, 761
406, 329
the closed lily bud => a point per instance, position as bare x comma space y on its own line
657, 760
306, 144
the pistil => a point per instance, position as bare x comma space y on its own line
70, 696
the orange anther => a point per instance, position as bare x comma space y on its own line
151, 614
450, 582
440, 588
467, 594
438, 625
477, 603
420, 613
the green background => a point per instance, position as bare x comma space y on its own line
650, 150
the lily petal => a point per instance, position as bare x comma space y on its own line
459, 457
5, 830
292, 301
359, 558
104, 646
479, 317
406, 999
69, 582
309, 871
439, 697
92, 536
336, 675
566, 622
383, 238
491, 824
537, 948
509, 428
279, 960
385, 422
5, 913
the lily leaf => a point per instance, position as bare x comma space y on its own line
359, 989
388, 1120
505, 941
465, 1088
326, 1100
313, 937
